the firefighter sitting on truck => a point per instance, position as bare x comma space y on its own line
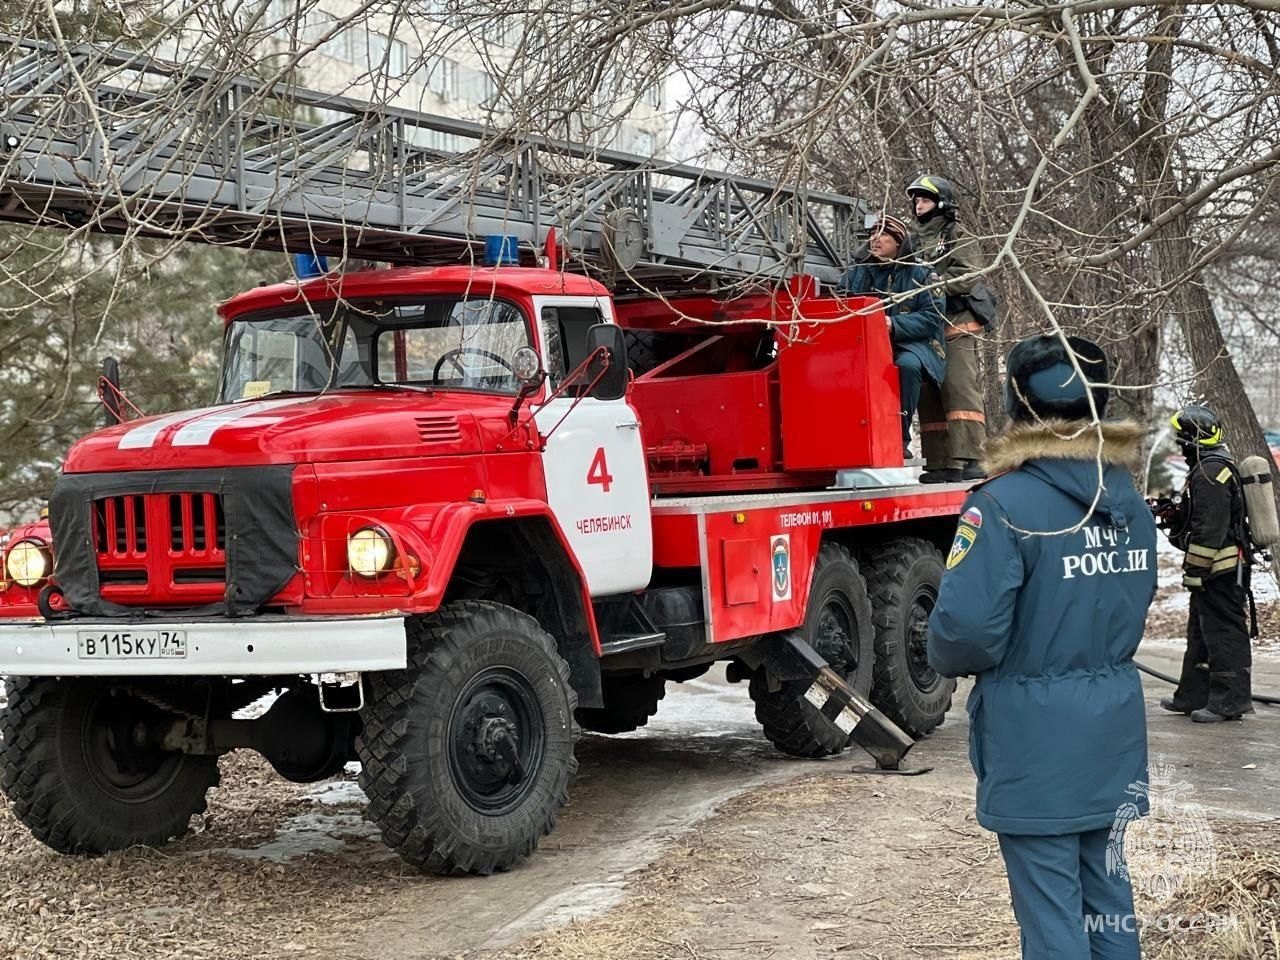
1209, 524
915, 313
953, 424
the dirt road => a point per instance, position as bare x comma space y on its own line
690, 831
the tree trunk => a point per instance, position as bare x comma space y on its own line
1218, 381
1174, 247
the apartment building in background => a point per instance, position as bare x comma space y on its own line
381, 57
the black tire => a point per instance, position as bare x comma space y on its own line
76, 779
903, 578
629, 702
837, 624
479, 674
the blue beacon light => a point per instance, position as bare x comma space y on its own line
501, 250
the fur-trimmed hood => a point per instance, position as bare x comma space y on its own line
1121, 444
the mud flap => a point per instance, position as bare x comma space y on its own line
790, 656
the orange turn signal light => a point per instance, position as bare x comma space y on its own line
409, 568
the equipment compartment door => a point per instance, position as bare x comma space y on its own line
597, 477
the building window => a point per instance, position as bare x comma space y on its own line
443, 79
474, 86
510, 32
398, 62
317, 23
653, 95
643, 143
375, 50
437, 10
383, 52
348, 45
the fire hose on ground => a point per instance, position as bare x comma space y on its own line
1257, 697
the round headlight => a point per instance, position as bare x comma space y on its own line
28, 562
370, 551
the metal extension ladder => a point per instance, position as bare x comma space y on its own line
159, 149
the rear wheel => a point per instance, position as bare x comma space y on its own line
903, 579
468, 752
81, 761
838, 626
629, 702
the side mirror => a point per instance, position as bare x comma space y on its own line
109, 392
613, 383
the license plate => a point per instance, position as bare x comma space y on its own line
132, 644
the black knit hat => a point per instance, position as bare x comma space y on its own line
1040, 381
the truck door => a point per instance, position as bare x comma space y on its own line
597, 477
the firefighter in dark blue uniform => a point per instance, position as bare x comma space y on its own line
915, 312
1209, 525
1044, 601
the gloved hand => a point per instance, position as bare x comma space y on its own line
1163, 509
1193, 581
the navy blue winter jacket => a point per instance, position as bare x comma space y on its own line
917, 319
1049, 626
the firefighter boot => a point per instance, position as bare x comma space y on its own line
1192, 692
1228, 697
1206, 715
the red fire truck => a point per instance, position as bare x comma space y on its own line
447, 514
432, 509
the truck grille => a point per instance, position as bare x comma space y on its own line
222, 539
162, 548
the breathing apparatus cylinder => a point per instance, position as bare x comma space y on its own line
1259, 502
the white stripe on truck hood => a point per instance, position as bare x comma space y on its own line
199, 425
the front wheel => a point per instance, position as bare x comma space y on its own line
467, 754
81, 761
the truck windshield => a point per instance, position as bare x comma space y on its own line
464, 343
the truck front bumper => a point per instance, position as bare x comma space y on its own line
261, 646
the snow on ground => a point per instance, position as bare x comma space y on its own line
256, 709
308, 833
1171, 596
1166, 625
1169, 561
719, 710
336, 792
334, 821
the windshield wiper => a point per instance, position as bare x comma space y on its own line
276, 393
403, 387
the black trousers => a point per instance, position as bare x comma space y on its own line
1216, 667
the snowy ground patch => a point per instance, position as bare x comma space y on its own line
308, 833
1167, 622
